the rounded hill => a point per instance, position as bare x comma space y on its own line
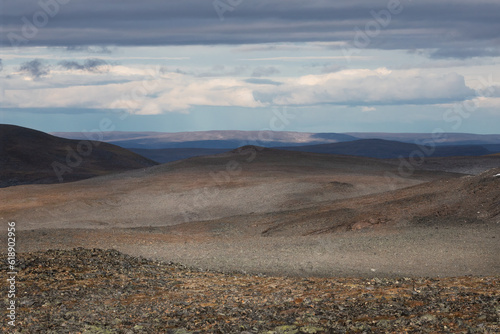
28, 156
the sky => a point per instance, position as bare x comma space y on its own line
196, 65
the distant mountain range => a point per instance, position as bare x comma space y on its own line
28, 156
166, 147
211, 139
234, 139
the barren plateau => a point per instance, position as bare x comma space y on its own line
275, 212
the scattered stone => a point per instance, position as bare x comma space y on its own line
383, 323
311, 329
288, 329
428, 318
106, 292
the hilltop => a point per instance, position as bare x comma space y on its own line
28, 156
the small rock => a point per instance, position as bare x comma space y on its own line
383, 323
428, 318
311, 329
26, 302
291, 329
181, 331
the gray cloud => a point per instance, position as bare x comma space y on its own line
220, 71
331, 68
262, 71
100, 49
492, 91
179, 71
324, 68
464, 53
450, 26
90, 65
35, 68
1, 65
263, 82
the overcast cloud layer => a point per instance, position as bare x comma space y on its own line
455, 28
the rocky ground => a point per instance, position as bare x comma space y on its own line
347, 249
104, 291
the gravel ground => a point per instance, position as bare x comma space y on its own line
97, 291
427, 250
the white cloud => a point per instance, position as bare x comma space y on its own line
364, 86
368, 109
492, 103
143, 90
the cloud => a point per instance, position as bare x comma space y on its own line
491, 91
493, 104
330, 68
364, 87
100, 49
368, 109
89, 65
220, 71
35, 68
1, 65
286, 58
265, 71
269, 47
263, 82
468, 25
465, 53
143, 92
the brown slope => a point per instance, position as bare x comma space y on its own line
256, 158
251, 181
28, 156
445, 203
465, 165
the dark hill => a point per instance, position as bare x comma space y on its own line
387, 149
28, 156
443, 139
165, 155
